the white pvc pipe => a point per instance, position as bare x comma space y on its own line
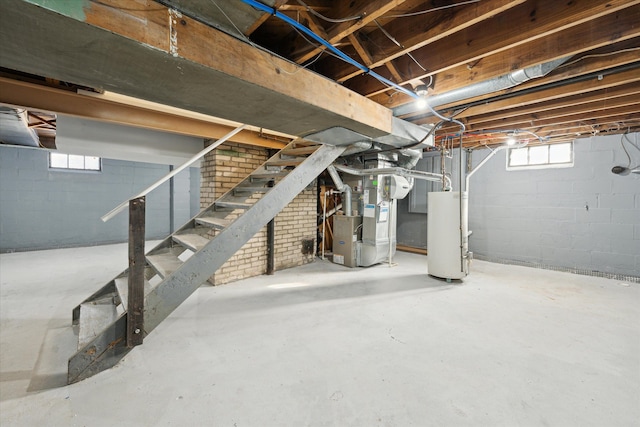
324, 221
490, 155
106, 217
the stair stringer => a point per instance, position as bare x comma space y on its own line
109, 347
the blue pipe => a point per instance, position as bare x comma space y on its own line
272, 11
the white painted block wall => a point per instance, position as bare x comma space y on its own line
541, 216
42, 208
583, 217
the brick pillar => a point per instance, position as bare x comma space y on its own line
225, 167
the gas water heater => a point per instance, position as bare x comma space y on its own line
448, 235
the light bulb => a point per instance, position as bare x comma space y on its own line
421, 104
511, 141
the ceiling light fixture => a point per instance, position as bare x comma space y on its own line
421, 103
421, 90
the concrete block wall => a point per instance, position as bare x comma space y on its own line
41, 208
222, 169
583, 217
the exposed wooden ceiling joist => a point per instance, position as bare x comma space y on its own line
416, 32
592, 61
591, 19
369, 10
458, 43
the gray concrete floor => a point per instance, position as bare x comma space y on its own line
323, 345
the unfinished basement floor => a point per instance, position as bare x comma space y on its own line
324, 345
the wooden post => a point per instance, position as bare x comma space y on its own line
135, 306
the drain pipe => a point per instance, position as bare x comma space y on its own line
493, 153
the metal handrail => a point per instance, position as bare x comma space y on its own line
106, 217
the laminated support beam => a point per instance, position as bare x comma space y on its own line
155, 53
128, 112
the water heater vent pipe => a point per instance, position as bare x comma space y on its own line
343, 188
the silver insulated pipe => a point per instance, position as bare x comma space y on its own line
343, 188
503, 82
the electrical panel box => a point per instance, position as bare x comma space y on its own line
345, 237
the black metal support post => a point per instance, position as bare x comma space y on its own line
135, 305
271, 238
172, 225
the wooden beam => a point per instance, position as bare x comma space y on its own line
194, 66
514, 120
614, 55
594, 21
609, 81
627, 112
561, 133
363, 52
604, 96
416, 32
411, 249
263, 18
145, 115
319, 6
313, 24
367, 9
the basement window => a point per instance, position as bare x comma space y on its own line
74, 162
540, 156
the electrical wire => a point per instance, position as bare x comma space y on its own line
315, 45
333, 20
625, 150
273, 11
447, 119
422, 12
624, 138
248, 40
397, 43
599, 55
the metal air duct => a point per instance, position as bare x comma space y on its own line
503, 82
14, 128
